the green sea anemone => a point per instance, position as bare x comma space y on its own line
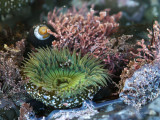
61, 79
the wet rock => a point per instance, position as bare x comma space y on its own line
38, 107
152, 113
155, 105
8, 110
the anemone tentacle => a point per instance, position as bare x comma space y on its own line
57, 77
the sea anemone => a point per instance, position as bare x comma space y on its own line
61, 79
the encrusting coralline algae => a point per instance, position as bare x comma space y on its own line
144, 85
10, 77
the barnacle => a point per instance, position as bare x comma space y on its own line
61, 79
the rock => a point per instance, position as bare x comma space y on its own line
155, 105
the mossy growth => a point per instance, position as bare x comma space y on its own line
8, 6
62, 79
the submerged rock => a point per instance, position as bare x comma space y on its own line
143, 87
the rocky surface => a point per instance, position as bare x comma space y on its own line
111, 111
